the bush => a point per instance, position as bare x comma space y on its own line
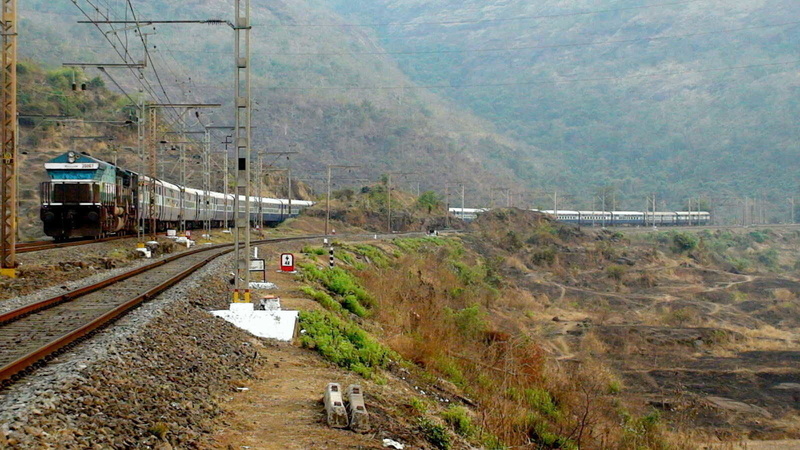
769, 258
313, 250
434, 433
352, 304
342, 343
337, 281
759, 236
418, 405
685, 241
374, 254
322, 298
541, 400
469, 321
467, 275
342, 282
458, 418
545, 256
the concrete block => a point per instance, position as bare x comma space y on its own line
359, 418
334, 406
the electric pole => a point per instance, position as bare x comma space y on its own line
555, 204
328, 196
8, 134
259, 175
207, 180
242, 136
389, 195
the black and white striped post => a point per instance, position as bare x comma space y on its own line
331, 256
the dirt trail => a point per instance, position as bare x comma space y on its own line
282, 408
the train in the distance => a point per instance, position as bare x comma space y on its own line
609, 218
88, 197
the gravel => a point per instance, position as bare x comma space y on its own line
149, 380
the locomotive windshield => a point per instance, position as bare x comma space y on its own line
73, 193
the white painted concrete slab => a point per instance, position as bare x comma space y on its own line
278, 325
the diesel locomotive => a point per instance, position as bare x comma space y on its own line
88, 197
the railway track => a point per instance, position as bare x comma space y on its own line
34, 332
35, 246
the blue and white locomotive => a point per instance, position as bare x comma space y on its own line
87, 197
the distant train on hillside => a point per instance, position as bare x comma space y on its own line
87, 197
609, 218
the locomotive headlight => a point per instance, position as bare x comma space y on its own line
71, 157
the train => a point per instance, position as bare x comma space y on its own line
88, 197
609, 218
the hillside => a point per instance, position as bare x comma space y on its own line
53, 119
648, 96
298, 108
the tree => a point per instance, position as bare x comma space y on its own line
429, 200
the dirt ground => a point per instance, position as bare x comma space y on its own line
282, 407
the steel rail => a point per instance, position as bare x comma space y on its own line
27, 247
22, 363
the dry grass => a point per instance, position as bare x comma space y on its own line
466, 334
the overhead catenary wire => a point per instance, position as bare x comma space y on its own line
147, 55
143, 82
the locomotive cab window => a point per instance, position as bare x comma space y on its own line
75, 193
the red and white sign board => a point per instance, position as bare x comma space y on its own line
287, 262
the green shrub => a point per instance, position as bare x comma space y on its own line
374, 254
469, 321
540, 400
544, 256
642, 432
342, 282
313, 250
467, 275
458, 418
346, 257
685, 241
410, 245
769, 258
759, 236
418, 405
338, 281
434, 433
352, 304
322, 298
343, 343
452, 372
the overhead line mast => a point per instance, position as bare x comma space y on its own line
242, 135
8, 134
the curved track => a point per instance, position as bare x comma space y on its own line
32, 333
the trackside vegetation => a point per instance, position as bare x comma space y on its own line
431, 302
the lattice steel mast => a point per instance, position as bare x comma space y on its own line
8, 133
